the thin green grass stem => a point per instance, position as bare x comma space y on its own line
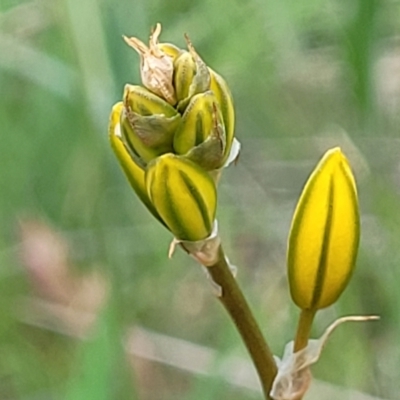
234, 302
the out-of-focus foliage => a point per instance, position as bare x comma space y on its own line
305, 76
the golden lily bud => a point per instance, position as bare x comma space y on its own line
324, 236
184, 196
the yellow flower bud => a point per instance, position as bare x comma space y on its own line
197, 122
184, 72
143, 102
148, 124
324, 235
135, 174
184, 196
201, 134
191, 76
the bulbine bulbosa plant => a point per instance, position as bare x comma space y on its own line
173, 135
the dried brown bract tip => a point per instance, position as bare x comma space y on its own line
156, 67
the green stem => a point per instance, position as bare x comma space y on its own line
238, 309
303, 329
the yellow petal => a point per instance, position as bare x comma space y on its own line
133, 172
184, 195
198, 122
324, 236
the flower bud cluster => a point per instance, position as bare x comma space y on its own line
172, 133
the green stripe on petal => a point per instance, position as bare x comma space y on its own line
134, 174
184, 195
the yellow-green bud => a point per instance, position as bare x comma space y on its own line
184, 72
197, 122
191, 76
133, 172
141, 101
324, 236
184, 196
148, 124
224, 98
201, 134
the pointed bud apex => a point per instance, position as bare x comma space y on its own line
170, 50
184, 72
324, 236
184, 196
156, 67
191, 76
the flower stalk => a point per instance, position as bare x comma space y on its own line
238, 309
303, 329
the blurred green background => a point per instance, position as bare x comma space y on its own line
90, 305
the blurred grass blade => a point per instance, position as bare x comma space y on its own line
30, 63
99, 372
359, 48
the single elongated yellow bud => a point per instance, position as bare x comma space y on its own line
184, 195
324, 236
224, 97
133, 172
